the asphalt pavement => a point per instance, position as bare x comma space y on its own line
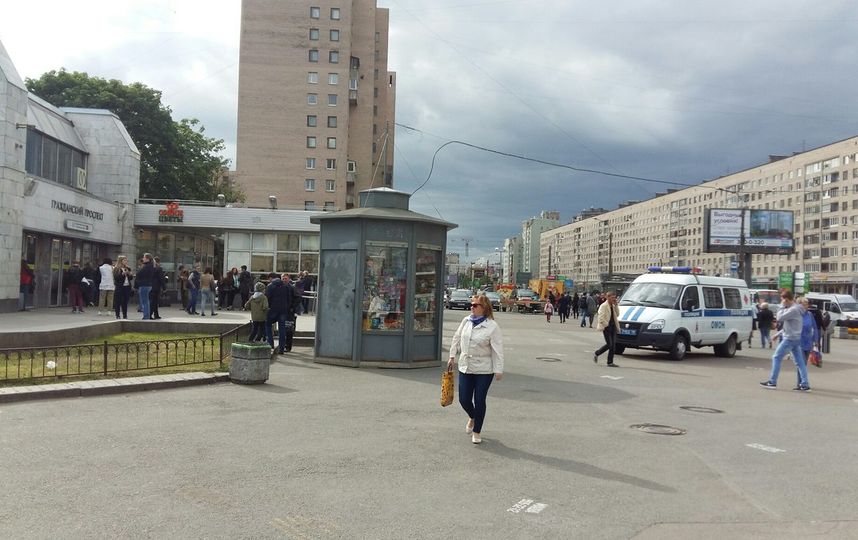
329, 452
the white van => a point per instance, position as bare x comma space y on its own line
673, 308
839, 306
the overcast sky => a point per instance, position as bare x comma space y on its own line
677, 91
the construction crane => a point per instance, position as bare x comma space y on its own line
465, 240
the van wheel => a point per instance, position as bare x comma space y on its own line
728, 348
679, 347
619, 349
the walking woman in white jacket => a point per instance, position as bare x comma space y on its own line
478, 344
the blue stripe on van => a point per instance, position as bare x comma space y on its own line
638, 314
627, 314
727, 313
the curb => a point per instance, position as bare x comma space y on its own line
105, 387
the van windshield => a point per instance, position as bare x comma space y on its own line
848, 306
651, 294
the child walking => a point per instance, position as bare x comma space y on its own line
549, 310
258, 305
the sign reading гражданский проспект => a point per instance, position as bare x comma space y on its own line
77, 210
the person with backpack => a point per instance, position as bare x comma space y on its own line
258, 306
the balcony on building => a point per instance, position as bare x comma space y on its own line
354, 66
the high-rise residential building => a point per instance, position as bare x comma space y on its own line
531, 229
315, 102
820, 187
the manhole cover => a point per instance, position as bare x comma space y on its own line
694, 408
658, 429
547, 359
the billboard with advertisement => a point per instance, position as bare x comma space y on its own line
764, 231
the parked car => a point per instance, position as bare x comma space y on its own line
495, 299
460, 299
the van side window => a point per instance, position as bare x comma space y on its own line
834, 308
712, 297
732, 298
690, 298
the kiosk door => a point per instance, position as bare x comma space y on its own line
336, 310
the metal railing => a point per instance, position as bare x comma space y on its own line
107, 358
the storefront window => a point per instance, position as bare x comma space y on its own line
384, 293
235, 259
425, 276
263, 242
310, 263
309, 242
145, 244
262, 262
287, 242
287, 263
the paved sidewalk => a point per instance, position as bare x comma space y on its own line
108, 386
62, 318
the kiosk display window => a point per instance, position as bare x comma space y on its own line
425, 277
384, 286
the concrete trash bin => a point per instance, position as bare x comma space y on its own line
250, 363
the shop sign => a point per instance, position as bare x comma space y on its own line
73, 225
77, 209
171, 214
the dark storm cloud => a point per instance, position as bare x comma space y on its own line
678, 92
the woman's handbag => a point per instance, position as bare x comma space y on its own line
815, 357
447, 387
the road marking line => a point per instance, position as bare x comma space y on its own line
536, 508
611, 377
520, 505
765, 448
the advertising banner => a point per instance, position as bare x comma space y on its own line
745, 230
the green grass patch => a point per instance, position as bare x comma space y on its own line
126, 354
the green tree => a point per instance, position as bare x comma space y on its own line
177, 161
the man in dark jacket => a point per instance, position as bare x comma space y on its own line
143, 283
281, 308
245, 284
159, 283
563, 306
72, 278
765, 318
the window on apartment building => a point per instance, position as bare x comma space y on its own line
309, 205
333, 78
377, 37
311, 163
314, 34
332, 100
312, 99
313, 55
311, 142
375, 110
377, 55
331, 164
351, 166
312, 77
334, 57
375, 92
310, 184
375, 129
335, 14
330, 185
335, 35
375, 74
332, 142
332, 121
311, 120
315, 12
329, 206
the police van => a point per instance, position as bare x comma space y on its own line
674, 308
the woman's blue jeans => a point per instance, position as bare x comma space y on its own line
473, 389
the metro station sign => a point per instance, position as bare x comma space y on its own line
171, 213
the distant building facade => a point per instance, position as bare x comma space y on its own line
820, 186
316, 103
531, 230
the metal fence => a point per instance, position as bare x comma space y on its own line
106, 358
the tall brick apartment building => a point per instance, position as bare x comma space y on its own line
315, 102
